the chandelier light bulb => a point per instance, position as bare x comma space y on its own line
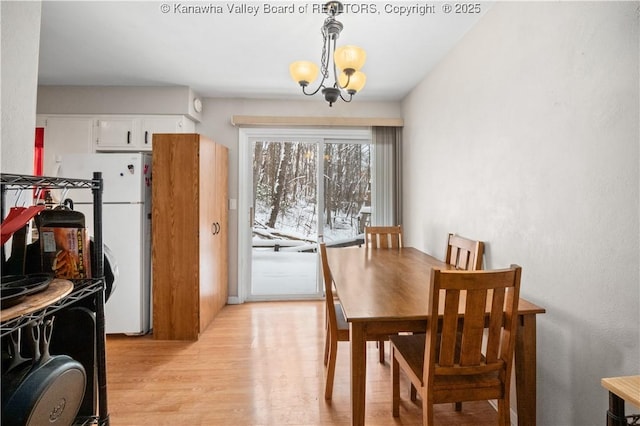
303, 72
349, 57
352, 83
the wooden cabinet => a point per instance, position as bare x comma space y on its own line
189, 234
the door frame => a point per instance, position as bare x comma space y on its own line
245, 169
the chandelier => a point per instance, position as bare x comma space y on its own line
347, 61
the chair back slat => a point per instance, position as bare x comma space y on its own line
463, 253
386, 237
460, 258
473, 328
510, 320
495, 325
447, 349
490, 300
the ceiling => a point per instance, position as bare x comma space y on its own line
236, 53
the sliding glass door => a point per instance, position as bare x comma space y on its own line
346, 191
303, 189
285, 218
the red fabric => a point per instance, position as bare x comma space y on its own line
17, 218
38, 157
38, 160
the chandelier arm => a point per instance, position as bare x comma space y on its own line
321, 86
335, 70
336, 80
346, 100
346, 84
324, 59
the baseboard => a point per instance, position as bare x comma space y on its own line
233, 300
514, 414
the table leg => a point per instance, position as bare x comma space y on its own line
358, 373
615, 414
525, 364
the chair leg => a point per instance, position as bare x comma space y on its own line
395, 384
504, 412
331, 369
381, 350
326, 346
427, 411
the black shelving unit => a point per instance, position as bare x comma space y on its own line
84, 290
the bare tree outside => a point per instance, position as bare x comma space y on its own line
285, 189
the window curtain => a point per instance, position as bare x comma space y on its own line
388, 159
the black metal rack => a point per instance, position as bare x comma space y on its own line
83, 289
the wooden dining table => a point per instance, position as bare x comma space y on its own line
621, 389
385, 292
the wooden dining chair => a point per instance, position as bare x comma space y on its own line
337, 329
383, 237
464, 253
444, 371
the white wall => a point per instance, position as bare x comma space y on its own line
526, 136
20, 29
117, 100
216, 123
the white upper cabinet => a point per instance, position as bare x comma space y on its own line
151, 125
118, 133
84, 134
126, 133
64, 135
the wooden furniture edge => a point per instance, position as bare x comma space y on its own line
256, 120
624, 388
58, 289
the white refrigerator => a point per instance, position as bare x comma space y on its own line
126, 230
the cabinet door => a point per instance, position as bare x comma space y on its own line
151, 125
175, 237
65, 135
116, 133
222, 206
209, 228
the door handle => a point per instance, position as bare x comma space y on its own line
128, 137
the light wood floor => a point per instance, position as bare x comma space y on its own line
256, 364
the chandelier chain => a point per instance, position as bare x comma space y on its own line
324, 61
